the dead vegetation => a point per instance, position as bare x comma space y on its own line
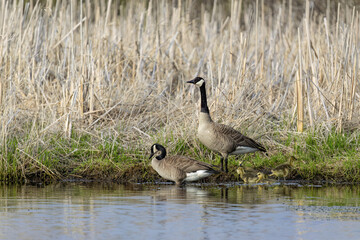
119, 71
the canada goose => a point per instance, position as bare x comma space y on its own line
250, 176
283, 170
178, 168
219, 137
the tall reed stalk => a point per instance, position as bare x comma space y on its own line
119, 69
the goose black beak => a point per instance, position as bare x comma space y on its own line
151, 155
191, 81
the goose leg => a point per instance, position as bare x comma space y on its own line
222, 163
226, 165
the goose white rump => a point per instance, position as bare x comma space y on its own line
243, 150
195, 176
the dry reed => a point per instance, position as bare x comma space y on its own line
120, 69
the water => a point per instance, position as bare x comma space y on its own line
143, 211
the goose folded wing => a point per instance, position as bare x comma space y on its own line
187, 164
239, 139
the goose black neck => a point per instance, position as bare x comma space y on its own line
162, 155
204, 106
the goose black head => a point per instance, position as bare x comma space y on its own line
198, 81
155, 148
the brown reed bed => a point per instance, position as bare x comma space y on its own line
86, 85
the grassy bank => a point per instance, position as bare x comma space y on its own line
86, 89
332, 158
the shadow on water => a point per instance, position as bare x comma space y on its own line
106, 210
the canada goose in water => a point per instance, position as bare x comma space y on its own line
219, 137
178, 168
250, 176
283, 170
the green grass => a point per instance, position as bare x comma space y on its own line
334, 157
83, 156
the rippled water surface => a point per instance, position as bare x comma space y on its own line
142, 211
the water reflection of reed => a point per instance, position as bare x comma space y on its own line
85, 193
238, 194
336, 195
79, 208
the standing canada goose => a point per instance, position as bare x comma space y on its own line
283, 170
219, 137
178, 168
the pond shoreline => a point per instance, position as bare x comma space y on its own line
71, 109
142, 173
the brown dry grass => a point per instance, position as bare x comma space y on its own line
120, 69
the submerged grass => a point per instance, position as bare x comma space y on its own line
86, 88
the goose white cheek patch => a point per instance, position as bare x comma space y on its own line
200, 83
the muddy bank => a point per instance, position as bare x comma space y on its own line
142, 173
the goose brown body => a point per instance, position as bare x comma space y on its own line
224, 139
219, 137
179, 168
